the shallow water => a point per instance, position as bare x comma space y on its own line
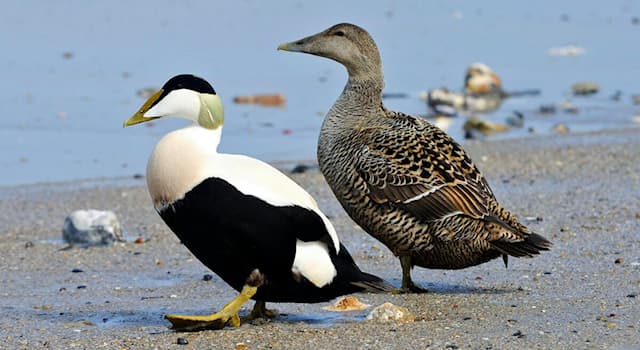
71, 70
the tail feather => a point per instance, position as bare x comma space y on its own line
532, 245
350, 273
373, 284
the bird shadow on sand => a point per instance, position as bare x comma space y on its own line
449, 288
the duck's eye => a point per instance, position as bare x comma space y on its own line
339, 33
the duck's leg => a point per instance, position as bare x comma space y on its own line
227, 316
260, 311
407, 284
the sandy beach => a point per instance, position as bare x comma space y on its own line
584, 190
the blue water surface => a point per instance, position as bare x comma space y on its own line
71, 70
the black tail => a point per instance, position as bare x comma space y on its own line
349, 272
373, 284
531, 246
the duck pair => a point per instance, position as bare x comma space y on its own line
401, 179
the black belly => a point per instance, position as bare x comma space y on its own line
233, 234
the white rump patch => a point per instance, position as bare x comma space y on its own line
314, 263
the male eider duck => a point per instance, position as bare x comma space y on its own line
246, 221
403, 180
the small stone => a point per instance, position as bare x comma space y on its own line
388, 312
139, 240
28, 245
182, 341
241, 346
82, 286
619, 261
348, 303
77, 270
207, 277
632, 295
91, 228
519, 334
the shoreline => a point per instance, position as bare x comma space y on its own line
584, 293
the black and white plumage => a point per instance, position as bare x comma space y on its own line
253, 226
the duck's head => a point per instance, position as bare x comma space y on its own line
185, 96
345, 43
481, 79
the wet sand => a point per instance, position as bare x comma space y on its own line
584, 293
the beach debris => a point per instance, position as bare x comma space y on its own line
207, 277
77, 270
516, 120
560, 129
139, 240
91, 228
635, 99
182, 341
61, 115
619, 261
67, 55
241, 346
388, 312
485, 127
567, 50
271, 100
348, 303
585, 88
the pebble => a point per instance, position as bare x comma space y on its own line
77, 270
207, 277
619, 261
388, 312
91, 228
182, 341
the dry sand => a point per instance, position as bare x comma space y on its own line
584, 293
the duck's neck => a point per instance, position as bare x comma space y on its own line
361, 94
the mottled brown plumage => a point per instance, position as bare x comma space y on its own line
403, 180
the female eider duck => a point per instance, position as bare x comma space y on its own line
246, 221
403, 180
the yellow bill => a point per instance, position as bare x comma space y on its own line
139, 117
